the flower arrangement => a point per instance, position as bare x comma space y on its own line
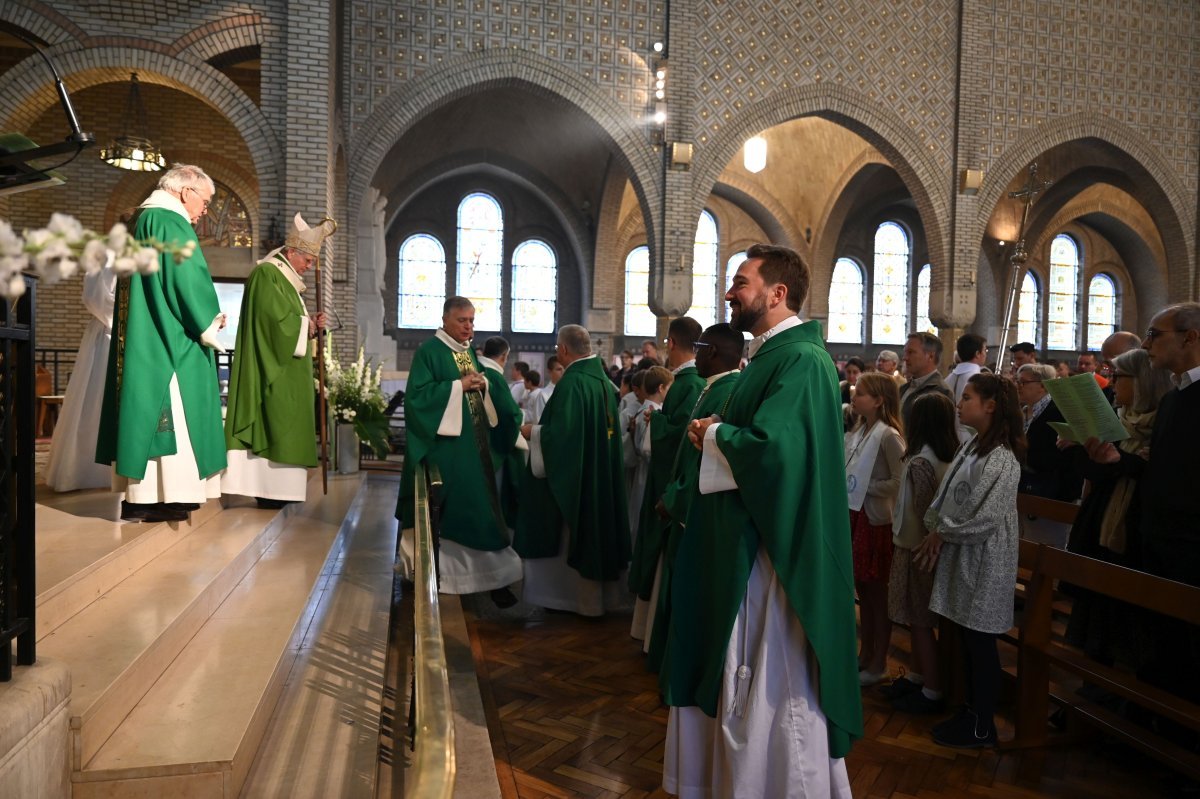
355, 396
59, 250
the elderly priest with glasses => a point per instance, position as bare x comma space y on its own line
270, 422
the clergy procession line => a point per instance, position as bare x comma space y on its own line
727, 510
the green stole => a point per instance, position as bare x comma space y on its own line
470, 507
271, 395
157, 324
584, 486
783, 441
677, 497
667, 428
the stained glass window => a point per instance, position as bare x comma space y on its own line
731, 267
889, 315
1063, 295
481, 257
922, 315
422, 282
1102, 311
534, 287
847, 303
226, 223
704, 272
1029, 311
638, 319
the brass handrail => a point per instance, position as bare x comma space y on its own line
432, 774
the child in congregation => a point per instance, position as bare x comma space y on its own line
972, 549
874, 449
654, 390
932, 443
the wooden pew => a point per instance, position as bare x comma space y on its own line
1039, 653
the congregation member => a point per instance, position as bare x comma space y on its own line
533, 388
1117, 343
655, 384
972, 548
516, 386
270, 418
718, 354
874, 450
508, 462
1166, 488
1107, 526
1048, 471
572, 524
667, 427
930, 445
453, 423
854, 367
71, 464
762, 595
1063, 368
888, 362
922, 352
1023, 352
650, 353
554, 373
160, 424
971, 350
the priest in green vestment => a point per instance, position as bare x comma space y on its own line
508, 460
667, 427
453, 422
762, 639
572, 523
718, 353
160, 424
270, 421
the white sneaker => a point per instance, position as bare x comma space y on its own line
869, 678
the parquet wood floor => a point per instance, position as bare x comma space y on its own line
572, 712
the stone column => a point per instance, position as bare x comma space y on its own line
372, 262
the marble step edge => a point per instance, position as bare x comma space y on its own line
92, 726
60, 602
236, 767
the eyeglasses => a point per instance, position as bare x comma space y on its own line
1154, 333
1119, 375
204, 203
699, 346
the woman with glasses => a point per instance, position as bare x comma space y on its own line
1047, 472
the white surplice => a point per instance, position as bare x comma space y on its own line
72, 461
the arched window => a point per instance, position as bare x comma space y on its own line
847, 303
704, 272
1102, 311
731, 267
1029, 310
534, 287
922, 315
889, 313
422, 282
638, 319
1063, 294
226, 222
481, 257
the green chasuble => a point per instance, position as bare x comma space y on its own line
677, 498
667, 428
470, 507
783, 441
157, 323
584, 487
271, 393
506, 457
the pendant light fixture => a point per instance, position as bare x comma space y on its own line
134, 151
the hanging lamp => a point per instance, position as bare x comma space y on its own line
134, 151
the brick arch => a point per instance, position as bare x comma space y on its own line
577, 236
764, 209
44, 23
1166, 199
26, 92
881, 128
491, 69
221, 36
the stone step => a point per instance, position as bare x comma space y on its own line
84, 550
120, 644
195, 729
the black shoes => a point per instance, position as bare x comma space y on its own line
962, 731
917, 703
898, 687
503, 598
152, 512
272, 504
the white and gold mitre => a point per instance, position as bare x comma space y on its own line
309, 239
